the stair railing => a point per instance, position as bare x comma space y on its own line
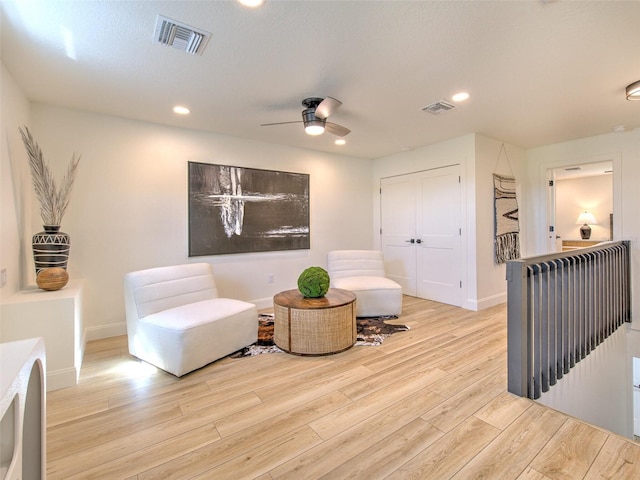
560, 307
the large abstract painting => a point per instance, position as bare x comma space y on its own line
239, 210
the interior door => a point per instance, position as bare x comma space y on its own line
398, 222
438, 242
554, 240
420, 237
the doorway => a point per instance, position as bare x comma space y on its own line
574, 190
421, 233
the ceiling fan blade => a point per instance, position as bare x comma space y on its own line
327, 107
278, 123
336, 129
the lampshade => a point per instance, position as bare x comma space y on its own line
633, 91
586, 218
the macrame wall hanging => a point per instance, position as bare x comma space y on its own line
505, 209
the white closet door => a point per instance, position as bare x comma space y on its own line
438, 236
398, 222
421, 242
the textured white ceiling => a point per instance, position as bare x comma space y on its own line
538, 72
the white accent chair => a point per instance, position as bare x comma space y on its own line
362, 272
177, 322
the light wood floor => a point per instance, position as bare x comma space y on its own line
429, 403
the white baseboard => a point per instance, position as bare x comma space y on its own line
65, 377
105, 331
261, 303
487, 302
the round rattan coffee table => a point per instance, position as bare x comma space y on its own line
314, 326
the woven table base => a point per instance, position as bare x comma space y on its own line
315, 326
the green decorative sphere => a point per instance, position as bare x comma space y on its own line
313, 282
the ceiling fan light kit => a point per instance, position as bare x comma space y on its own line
312, 124
314, 117
313, 128
251, 3
633, 91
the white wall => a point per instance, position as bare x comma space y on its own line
593, 194
128, 209
458, 151
598, 389
489, 159
623, 149
484, 283
14, 171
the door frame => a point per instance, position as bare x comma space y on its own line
463, 255
550, 207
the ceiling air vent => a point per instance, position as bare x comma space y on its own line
179, 35
438, 107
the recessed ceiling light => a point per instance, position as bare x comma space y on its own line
252, 3
340, 141
619, 128
180, 110
460, 97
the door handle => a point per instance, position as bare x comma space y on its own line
419, 240
410, 241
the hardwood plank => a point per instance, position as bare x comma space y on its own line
143, 439
100, 428
379, 380
459, 379
343, 447
503, 410
62, 412
424, 354
619, 459
131, 463
366, 407
531, 474
405, 442
508, 455
278, 405
246, 441
312, 378
453, 411
115, 448
428, 403
570, 453
450, 453
260, 461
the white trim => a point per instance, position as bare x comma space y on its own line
487, 302
105, 331
62, 378
545, 174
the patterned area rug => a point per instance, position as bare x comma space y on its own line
371, 331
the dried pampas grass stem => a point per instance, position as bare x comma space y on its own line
53, 201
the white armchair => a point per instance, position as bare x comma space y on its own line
177, 322
362, 272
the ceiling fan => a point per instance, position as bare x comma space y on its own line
315, 114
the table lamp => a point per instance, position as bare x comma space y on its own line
585, 219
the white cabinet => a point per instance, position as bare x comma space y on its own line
57, 317
23, 410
